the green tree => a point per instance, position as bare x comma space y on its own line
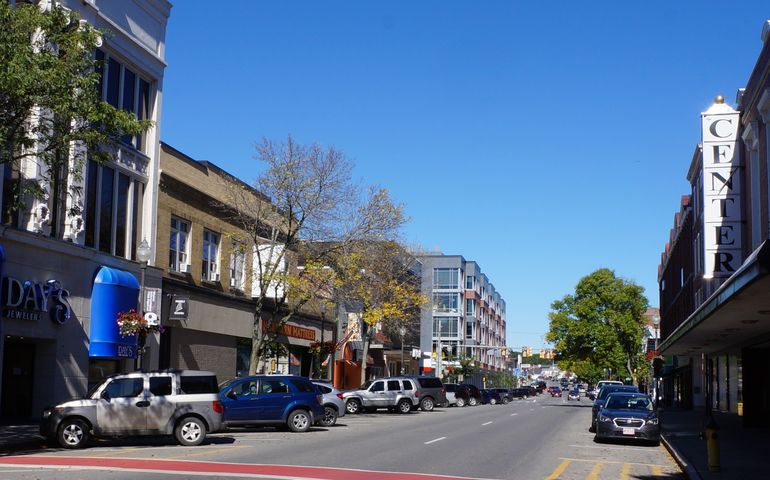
600, 326
50, 106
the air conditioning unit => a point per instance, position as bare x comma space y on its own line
184, 268
214, 277
234, 282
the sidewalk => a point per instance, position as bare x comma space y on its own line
19, 437
743, 451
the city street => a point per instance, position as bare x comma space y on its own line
540, 438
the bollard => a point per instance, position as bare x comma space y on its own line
712, 446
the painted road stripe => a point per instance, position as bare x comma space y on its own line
656, 470
625, 471
210, 452
593, 460
610, 448
559, 470
435, 440
485, 424
594, 475
514, 414
189, 468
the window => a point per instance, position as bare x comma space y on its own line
394, 385
324, 389
245, 388
210, 263
446, 278
377, 387
125, 387
470, 282
470, 306
160, 386
273, 386
469, 330
446, 326
177, 251
199, 384
303, 385
237, 266
408, 385
446, 302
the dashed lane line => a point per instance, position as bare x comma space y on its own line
485, 424
435, 440
514, 414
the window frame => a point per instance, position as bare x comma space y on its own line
177, 264
209, 274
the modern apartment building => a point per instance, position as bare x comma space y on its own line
713, 276
464, 317
69, 263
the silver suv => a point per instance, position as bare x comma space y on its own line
395, 393
184, 403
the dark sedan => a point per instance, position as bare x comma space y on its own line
599, 402
628, 415
490, 396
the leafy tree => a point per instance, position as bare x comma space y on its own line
600, 326
302, 215
50, 106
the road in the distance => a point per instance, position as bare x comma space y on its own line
526, 439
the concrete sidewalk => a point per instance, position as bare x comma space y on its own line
744, 452
20, 436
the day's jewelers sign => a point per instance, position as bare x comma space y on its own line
721, 191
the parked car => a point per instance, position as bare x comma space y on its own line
472, 394
556, 391
432, 392
574, 394
184, 403
599, 402
395, 393
451, 399
272, 400
505, 394
628, 415
490, 396
333, 403
539, 385
522, 392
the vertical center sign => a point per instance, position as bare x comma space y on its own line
721, 191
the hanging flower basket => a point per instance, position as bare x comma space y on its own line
322, 349
133, 323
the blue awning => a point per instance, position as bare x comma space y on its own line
114, 291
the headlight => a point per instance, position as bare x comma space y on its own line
602, 418
652, 421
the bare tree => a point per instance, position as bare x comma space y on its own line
303, 208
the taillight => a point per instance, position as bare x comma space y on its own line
417, 393
339, 395
319, 399
216, 405
443, 390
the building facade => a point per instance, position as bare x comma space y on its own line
66, 276
714, 278
464, 317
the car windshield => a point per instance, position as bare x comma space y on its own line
627, 402
366, 385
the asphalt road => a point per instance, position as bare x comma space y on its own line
541, 438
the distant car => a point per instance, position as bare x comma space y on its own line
183, 403
272, 400
556, 392
540, 386
564, 384
451, 399
573, 394
490, 396
333, 403
505, 394
471, 394
582, 389
628, 415
599, 402
432, 393
395, 393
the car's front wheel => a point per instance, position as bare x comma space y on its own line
427, 404
330, 416
492, 401
404, 406
190, 431
299, 421
73, 433
473, 401
353, 406
460, 402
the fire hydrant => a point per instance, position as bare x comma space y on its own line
712, 445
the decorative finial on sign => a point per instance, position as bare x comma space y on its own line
719, 99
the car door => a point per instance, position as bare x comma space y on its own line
162, 406
241, 401
122, 406
375, 395
393, 391
275, 394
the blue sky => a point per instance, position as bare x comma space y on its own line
542, 140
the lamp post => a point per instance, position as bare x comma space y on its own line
143, 255
655, 324
402, 332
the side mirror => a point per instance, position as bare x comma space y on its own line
106, 395
231, 395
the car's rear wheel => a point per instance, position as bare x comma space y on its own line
427, 404
190, 431
473, 401
460, 402
299, 421
492, 401
404, 406
330, 416
353, 406
73, 433
506, 400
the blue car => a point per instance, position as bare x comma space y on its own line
272, 400
490, 396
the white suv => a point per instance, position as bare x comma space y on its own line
395, 393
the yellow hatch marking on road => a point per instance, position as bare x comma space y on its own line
593, 460
559, 470
118, 452
625, 471
594, 475
656, 470
208, 452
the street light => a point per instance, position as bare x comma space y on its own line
402, 332
143, 255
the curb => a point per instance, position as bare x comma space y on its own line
690, 472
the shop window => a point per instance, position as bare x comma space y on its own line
210, 259
178, 245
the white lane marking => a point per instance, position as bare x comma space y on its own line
435, 440
514, 414
484, 424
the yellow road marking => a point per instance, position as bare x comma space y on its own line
657, 471
559, 470
594, 475
625, 471
593, 460
208, 452
109, 453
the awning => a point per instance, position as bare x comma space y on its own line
114, 291
735, 315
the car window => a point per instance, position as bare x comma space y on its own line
160, 386
430, 382
450, 387
125, 387
273, 385
408, 385
199, 384
324, 388
303, 385
377, 387
245, 388
394, 385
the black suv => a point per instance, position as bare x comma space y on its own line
506, 394
432, 393
470, 393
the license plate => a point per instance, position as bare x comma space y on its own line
628, 431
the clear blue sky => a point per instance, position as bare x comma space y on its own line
542, 140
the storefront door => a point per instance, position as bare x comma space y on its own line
18, 374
